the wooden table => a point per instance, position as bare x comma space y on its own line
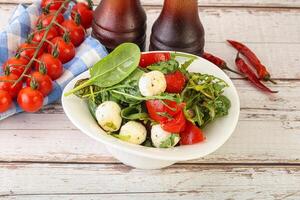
43, 156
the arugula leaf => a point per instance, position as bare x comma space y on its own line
165, 67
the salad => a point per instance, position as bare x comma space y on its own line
151, 99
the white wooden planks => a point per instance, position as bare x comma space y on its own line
208, 182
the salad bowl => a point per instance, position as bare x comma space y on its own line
216, 133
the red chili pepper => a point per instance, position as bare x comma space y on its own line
153, 57
219, 62
253, 59
245, 69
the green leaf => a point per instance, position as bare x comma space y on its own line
134, 113
114, 68
170, 141
165, 67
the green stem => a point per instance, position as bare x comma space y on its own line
139, 98
177, 54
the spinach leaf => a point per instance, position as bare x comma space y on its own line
114, 68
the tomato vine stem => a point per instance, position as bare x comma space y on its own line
40, 45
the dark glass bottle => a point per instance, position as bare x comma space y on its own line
119, 21
178, 28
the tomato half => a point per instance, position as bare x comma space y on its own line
192, 134
75, 31
175, 124
65, 49
152, 58
6, 83
85, 12
5, 101
30, 100
160, 110
175, 82
53, 65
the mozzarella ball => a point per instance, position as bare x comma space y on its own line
163, 139
152, 83
108, 115
136, 131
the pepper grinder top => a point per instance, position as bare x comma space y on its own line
119, 21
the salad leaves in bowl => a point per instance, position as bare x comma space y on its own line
153, 109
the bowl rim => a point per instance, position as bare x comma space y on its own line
157, 153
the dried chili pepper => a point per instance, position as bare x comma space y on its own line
253, 59
219, 62
245, 69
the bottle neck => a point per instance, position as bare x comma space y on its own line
181, 8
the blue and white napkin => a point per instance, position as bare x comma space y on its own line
16, 32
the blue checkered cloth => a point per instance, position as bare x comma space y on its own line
16, 32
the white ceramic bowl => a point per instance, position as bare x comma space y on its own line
154, 158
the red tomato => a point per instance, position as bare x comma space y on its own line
8, 86
45, 19
175, 124
39, 34
30, 100
175, 82
86, 14
152, 58
192, 134
53, 65
76, 32
157, 109
15, 65
44, 82
5, 101
65, 49
53, 5
27, 50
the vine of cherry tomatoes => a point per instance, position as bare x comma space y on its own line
28, 76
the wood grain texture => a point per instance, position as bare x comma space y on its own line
208, 182
231, 3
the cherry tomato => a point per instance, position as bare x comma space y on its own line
54, 5
76, 32
152, 58
175, 124
45, 19
39, 34
15, 65
5, 101
30, 100
6, 83
27, 50
43, 81
53, 65
161, 111
85, 12
192, 134
175, 82
65, 49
